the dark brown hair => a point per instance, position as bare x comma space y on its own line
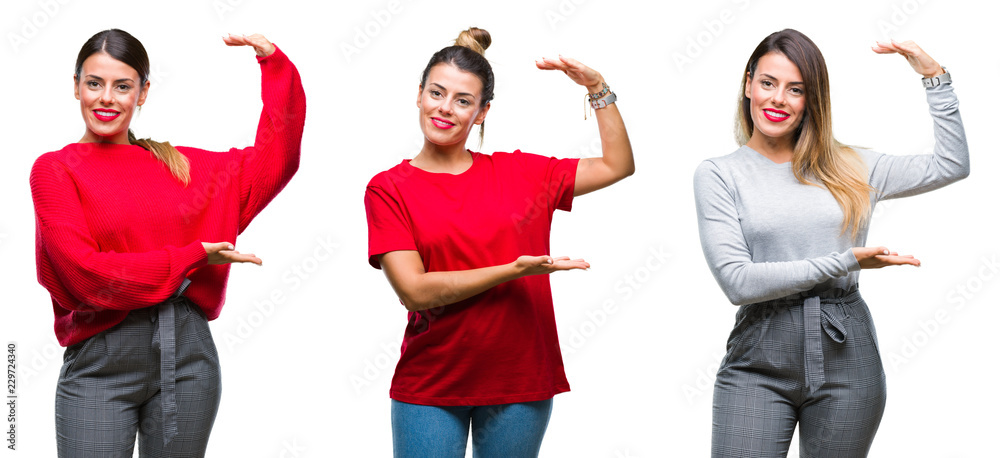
467, 55
123, 47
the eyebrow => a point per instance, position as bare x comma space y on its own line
772, 77
460, 93
120, 80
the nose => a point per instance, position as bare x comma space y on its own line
445, 107
778, 97
107, 98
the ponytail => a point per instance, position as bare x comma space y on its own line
176, 162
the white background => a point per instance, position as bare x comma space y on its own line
309, 377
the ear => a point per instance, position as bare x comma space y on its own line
143, 93
76, 87
746, 87
482, 114
420, 91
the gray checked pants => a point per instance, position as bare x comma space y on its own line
110, 387
812, 361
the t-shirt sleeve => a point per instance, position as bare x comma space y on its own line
389, 228
555, 178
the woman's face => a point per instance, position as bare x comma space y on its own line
777, 98
109, 92
450, 105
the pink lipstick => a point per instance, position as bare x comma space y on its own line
775, 115
106, 115
442, 124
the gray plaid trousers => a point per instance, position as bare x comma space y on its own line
110, 388
812, 362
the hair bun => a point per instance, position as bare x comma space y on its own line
475, 39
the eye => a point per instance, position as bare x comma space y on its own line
123, 88
435, 93
464, 102
798, 91
766, 83
93, 84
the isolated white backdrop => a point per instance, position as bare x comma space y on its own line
309, 376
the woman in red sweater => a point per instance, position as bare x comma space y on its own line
463, 239
134, 242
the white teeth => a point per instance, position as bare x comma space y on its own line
106, 113
776, 114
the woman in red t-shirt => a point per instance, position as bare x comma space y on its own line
463, 239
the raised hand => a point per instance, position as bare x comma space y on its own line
576, 71
879, 257
261, 46
225, 253
918, 59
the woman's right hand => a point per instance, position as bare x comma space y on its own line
540, 265
225, 253
879, 257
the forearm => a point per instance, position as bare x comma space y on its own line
270, 164
434, 289
616, 150
904, 176
616, 161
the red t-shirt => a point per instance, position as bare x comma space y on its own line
499, 346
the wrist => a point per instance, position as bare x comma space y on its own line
596, 87
936, 72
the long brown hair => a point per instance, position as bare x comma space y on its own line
125, 48
818, 158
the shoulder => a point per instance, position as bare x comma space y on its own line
721, 166
388, 179
57, 160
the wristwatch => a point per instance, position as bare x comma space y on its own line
936, 81
603, 101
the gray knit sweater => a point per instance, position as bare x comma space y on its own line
767, 236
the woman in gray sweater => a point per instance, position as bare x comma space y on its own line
783, 223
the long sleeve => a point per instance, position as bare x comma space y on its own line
269, 165
74, 268
729, 256
903, 176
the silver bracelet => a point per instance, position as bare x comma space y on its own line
936, 81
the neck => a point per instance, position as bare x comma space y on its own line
120, 138
778, 150
452, 159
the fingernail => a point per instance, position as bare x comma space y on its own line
231, 247
885, 252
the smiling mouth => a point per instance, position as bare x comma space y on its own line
442, 124
106, 115
775, 116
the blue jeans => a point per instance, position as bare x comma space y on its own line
502, 430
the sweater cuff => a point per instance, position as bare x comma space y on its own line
276, 55
848, 260
190, 257
942, 97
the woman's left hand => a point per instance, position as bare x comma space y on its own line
918, 59
579, 73
261, 46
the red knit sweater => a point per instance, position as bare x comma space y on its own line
115, 231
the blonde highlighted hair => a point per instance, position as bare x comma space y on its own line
818, 158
